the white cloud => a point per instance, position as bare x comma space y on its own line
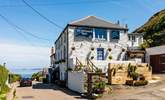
16, 55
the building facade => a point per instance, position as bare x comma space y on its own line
93, 39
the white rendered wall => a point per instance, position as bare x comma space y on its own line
76, 81
83, 48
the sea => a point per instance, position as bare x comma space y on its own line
25, 72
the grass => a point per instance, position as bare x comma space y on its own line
2, 96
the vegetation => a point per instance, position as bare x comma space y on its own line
153, 30
132, 72
38, 76
14, 77
3, 78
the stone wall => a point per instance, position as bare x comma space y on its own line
121, 72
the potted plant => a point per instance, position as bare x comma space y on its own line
63, 61
92, 57
92, 48
99, 87
123, 49
110, 57
109, 49
73, 48
69, 69
57, 62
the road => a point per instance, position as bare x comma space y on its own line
41, 91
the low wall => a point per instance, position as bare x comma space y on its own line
121, 72
76, 81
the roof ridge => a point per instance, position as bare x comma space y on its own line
81, 19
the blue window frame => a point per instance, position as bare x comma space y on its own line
100, 33
100, 53
115, 35
83, 32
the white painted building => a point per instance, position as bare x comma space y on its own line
93, 39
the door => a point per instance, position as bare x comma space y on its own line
158, 63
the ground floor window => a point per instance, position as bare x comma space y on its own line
100, 53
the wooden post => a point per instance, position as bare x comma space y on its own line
109, 74
89, 84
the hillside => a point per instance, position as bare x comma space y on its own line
154, 30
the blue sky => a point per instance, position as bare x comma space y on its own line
17, 48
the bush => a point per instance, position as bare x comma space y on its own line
135, 75
129, 82
44, 80
14, 78
141, 77
141, 83
99, 87
3, 79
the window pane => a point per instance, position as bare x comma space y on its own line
100, 53
115, 35
101, 33
83, 32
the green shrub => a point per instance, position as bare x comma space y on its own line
134, 75
14, 77
141, 83
129, 82
3, 79
69, 69
45, 80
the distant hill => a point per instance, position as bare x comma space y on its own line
154, 30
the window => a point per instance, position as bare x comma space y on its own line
129, 37
100, 53
64, 52
100, 33
115, 35
133, 38
83, 32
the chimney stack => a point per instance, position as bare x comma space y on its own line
126, 26
118, 22
52, 50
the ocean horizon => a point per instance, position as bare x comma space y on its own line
25, 72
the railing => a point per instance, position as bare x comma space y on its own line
79, 65
91, 66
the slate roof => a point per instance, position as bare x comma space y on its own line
93, 21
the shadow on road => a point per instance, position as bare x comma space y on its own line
57, 88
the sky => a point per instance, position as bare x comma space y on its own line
21, 50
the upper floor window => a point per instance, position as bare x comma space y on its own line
83, 32
132, 38
115, 35
100, 33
